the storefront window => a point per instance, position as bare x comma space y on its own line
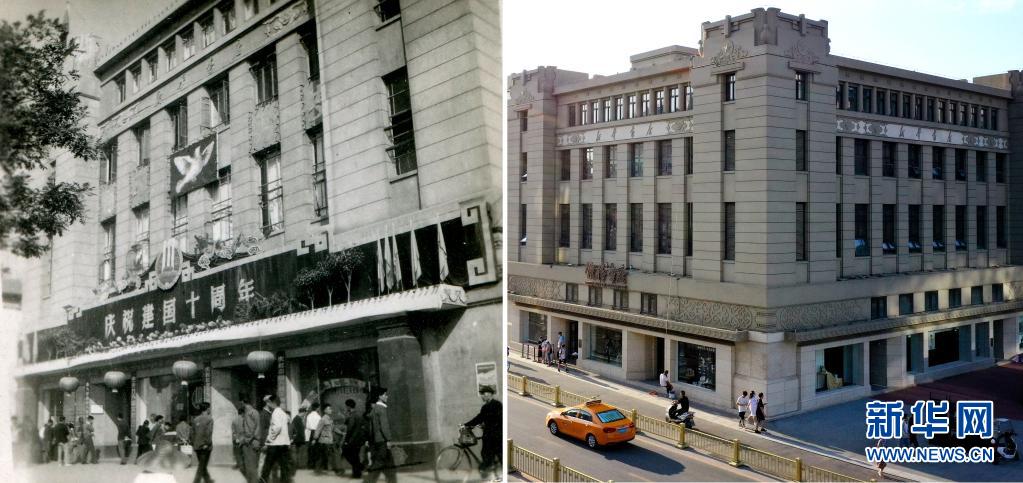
943, 346
838, 367
537, 327
606, 345
696, 364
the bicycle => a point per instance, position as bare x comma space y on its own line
458, 462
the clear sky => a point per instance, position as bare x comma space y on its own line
952, 38
111, 20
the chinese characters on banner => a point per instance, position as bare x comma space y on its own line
972, 418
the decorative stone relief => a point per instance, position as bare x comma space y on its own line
311, 104
293, 13
650, 129
264, 126
482, 269
799, 52
730, 53
536, 287
714, 314
1014, 291
917, 133
813, 316
520, 95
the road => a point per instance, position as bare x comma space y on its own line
642, 459
111, 472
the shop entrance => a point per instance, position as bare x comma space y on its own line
999, 340
185, 401
572, 341
943, 347
878, 364
335, 378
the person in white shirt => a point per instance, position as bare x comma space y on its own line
312, 420
742, 404
278, 442
752, 405
666, 384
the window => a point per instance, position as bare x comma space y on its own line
997, 295
893, 104
943, 346
219, 103
571, 116
209, 34
938, 228
697, 365
169, 56
977, 295
179, 122
729, 87
571, 292
264, 72
187, 43
631, 113
227, 16
801, 151
565, 163
108, 163
861, 157
152, 65
838, 155
584, 113
918, 108
1000, 218
596, 296
620, 299
142, 235
955, 298
729, 231
687, 154
619, 108
882, 102
659, 101
999, 167
906, 305
587, 163
888, 159
838, 230
586, 240
401, 131
606, 104
878, 307
689, 229
522, 225
729, 150
106, 269
319, 175
610, 167
136, 77
852, 102
981, 167
982, 228
142, 142
673, 99
973, 115
862, 230
931, 300
594, 111
312, 55
688, 106
868, 99
960, 165
888, 230
250, 7
930, 109
664, 228
664, 158
648, 303
605, 345
942, 111
635, 160
801, 232
994, 118
610, 227
220, 226
179, 221
953, 112
644, 104
119, 87
801, 86
387, 9
937, 163
537, 327
636, 227
523, 168
907, 106
565, 232
960, 228
914, 229
983, 117
271, 193
914, 161
963, 119
840, 96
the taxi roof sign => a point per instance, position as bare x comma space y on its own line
593, 402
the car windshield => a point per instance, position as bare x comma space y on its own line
610, 416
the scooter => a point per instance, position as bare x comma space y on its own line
1004, 441
687, 418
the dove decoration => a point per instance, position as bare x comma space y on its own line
194, 166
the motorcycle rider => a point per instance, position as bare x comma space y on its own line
679, 408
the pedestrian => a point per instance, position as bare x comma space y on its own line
751, 415
742, 403
880, 463
277, 442
202, 443
144, 440
546, 351
250, 442
74, 441
323, 438
183, 431
561, 340
123, 439
89, 454
666, 384
355, 438
761, 413
156, 437
236, 436
379, 450
312, 420
48, 443
299, 446
490, 418
61, 434
908, 436
562, 356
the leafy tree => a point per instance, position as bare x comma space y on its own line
343, 264
40, 112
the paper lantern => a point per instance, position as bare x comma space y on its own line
114, 380
68, 384
185, 370
260, 362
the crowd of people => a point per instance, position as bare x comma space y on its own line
554, 353
752, 410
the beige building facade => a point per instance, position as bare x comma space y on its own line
758, 214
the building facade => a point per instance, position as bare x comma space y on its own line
298, 198
760, 214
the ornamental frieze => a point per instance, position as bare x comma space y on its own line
683, 125
918, 133
714, 314
537, 287
730, 53
812, 316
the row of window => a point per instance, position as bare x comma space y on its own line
648, 301
914, 161
635, 160
890, 222
907, 301
673, 98
886, 102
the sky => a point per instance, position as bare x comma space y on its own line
958, 39
111, 20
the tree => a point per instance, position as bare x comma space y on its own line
345, 263
40, 112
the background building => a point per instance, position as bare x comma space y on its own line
760, 214
316, 180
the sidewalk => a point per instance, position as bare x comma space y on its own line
716, 421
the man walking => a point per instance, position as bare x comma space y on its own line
236, 436
354, 439
202, 442
299, 445
60, 439
666, 384
277, 443
48, 442
249, 441
489, 417
88, 442
323, 441
742, 403
380, 442
312, 420
123, 439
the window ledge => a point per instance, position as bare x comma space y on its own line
385, 23
402, 176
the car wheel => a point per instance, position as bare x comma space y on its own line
553, 427
591, 441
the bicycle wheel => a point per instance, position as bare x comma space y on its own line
453, 465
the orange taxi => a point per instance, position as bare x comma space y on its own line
594, 422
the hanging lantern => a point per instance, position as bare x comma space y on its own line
260, 362
114, 380
68, 384
185, 370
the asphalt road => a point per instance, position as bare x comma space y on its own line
642, 459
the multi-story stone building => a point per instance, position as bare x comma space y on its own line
297, 197
760, 214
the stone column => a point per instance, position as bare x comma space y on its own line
400, 361
223, 411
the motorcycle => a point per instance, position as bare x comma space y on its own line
687, 418
1004, 441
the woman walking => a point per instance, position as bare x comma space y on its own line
761, 413
143, 440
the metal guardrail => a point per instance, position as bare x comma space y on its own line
734, 452
543, 468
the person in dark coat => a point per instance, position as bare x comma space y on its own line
299, 449
48, 442
355, 437
144, 441
202, 440
123, 439
490, 418
60, 440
